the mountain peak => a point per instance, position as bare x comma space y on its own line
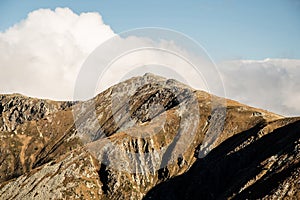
143, 138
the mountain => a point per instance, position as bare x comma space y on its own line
146, 138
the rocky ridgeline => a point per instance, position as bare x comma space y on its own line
146, 137
16, 109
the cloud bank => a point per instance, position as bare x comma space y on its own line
41, 56
272, 84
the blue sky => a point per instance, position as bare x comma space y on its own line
228, 29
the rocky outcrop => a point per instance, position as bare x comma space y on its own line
147, 137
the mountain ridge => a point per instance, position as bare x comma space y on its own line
129, 140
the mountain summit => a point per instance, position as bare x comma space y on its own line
146, 138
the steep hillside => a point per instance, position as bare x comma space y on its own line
147, 137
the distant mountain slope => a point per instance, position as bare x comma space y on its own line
143, 138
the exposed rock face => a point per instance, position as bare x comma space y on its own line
146, 137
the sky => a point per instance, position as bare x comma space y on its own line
255, 44
228, 29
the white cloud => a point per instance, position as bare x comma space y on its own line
272, 84
41, 55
